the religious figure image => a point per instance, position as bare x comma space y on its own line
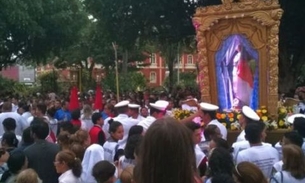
237, 70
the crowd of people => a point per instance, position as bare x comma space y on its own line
137, 141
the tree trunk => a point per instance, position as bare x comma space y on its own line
125, 62
169, 52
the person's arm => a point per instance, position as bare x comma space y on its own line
199, 113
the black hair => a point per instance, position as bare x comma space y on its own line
299, 125
132, 142
153, 110
135, 130
122, 110
51, 112
75, 114
26, 108
212, 114
113, 125
95, 117
103, 171
223, 178
253, 132
295, 138
67, 126
220, 162
26, 136
220, 142
39, 128
9, 124
15, 163
192, 126
10, 139
42, 107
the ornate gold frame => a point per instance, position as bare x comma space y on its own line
259, 22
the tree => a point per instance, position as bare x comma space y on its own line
34, 30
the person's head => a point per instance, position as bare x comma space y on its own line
132, 142
78, 150
103, 172
27, 176
116, 130
144, 112
196, 131
219, 142
39, 129
26, 136
223, 178
246, 172
299, 125
41, 109
65, 104
247, 116
87, 110
165, 138
66, 160
133, 109
127, 175
211, 131
51, 112
75, 114
17, 162
292, 137
4, 155
63, 140
122, 110
220, 162
255, 132
57, 104
81, 137
67, 127
135, 130
294, 161
97, 119
108, 109
9, 124
7, 107
9, 140
208, 116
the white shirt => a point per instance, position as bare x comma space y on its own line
262, 156
93, 154
110, 150
127, 124
53, 123
222, 128
26, 115
278, 166
199, 155
87, 123
287, 178
147, 122
21, 123
124, 162
242, 145
68, 177
139, 118
19, 138
241, 136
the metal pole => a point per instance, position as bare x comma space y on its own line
178, 58
116, 71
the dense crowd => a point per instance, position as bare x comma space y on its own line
136, 140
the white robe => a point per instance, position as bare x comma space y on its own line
147, 122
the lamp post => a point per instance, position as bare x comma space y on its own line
115, 47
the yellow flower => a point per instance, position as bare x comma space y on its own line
238, 116
281, 123
224, 124
223, 116
264, 111
283, 110
264, 118
231, 119
233, 127
258, 111
263, 107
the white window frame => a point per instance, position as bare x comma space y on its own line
190, 59
151, 79
153, 59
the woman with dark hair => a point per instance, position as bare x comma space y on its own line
68, 166
103, 172
293, 167
167, 154
111, 146
220, 162
210, 132
135, 130
16, 163
220, 142
129, 159
9, 141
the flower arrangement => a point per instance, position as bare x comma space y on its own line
180, 114
229, 119
265, 117
283, 113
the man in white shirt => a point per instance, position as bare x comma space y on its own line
134, 112
157, 111
248, 115
21, 123
122, 109
262, 156
209, 117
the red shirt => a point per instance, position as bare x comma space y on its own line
94, 134
77, 122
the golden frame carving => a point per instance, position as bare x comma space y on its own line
259, 22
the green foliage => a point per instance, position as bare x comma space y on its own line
186, 80
48, 81
11, 87
131, 82
34, 30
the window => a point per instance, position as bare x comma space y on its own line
190, 59
153, 59
153, 77
180, 59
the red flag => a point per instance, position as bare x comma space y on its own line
74, 104
98, 105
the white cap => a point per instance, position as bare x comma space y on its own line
250, 113
134, 106
208, 107
291, 118
122, 103
160, 105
